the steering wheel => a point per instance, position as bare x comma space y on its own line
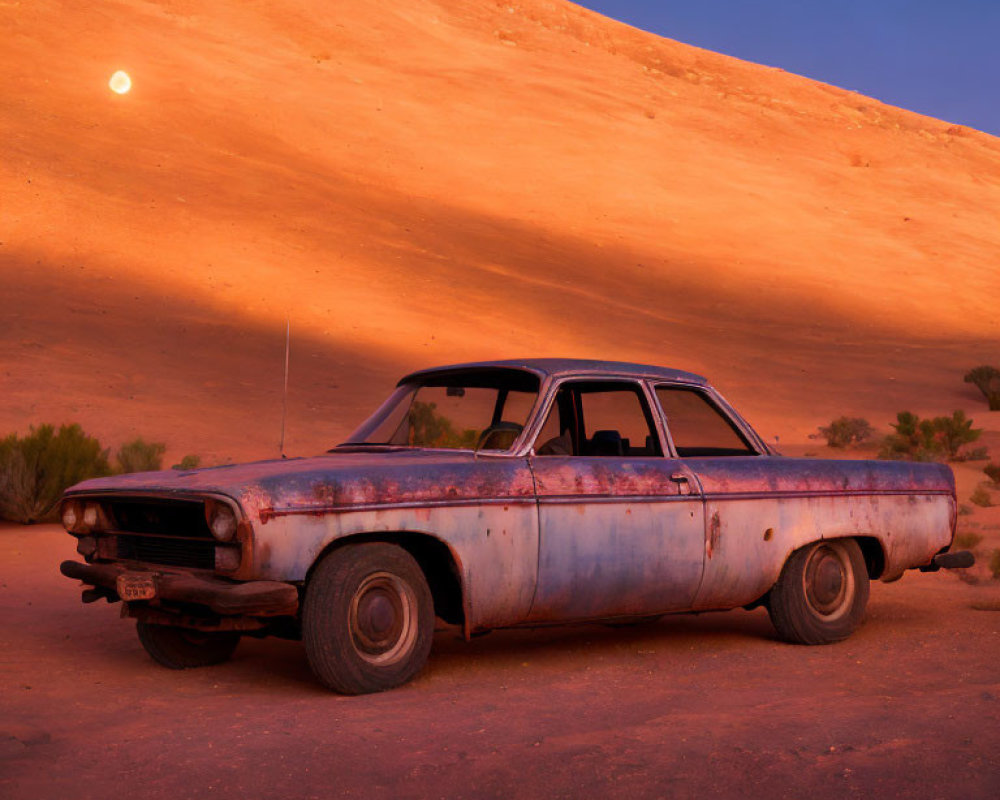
499, 437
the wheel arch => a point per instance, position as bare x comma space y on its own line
442, 568
874, 553
871, 549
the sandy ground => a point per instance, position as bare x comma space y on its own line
691, 706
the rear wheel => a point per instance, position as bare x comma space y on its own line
181, 648
368, 618
821, 594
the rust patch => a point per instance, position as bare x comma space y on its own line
714, 528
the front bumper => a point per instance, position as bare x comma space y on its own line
253, 598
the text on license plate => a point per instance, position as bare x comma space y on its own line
136, 587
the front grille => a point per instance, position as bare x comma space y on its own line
160, 517
171, 552
171, 531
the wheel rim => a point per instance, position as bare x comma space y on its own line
383, 619
828, 581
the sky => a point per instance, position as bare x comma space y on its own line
935, 57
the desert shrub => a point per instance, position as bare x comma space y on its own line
993, 473
36, 469
955, 431
967, 540
973, 454
140, 456
995, 564
190, 461
987, 380
430, 429
845, 431
981, 498
913, 439
918, 439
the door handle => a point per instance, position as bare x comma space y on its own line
682, 481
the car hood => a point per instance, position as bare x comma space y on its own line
337, 480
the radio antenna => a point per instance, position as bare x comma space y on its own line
284, 393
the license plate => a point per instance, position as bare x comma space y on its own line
136, 587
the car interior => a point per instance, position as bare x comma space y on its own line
612, 419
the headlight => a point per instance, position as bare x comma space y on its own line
221, 520
79, 516
70, 514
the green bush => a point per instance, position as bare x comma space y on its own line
918, 439
431, 429
981, 498
845, 431
967, 540
955, 431
190, 461
913, 439
987, 380
140, 456
993, 473
973, 454
35, 470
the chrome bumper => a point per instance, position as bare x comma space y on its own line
253, 598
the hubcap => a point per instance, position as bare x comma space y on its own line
382, 619
829, 581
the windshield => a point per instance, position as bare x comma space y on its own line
482, 409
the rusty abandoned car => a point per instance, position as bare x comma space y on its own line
501, 494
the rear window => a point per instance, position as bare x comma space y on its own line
698, 428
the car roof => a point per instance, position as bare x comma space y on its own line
560, 367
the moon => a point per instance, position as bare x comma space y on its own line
120, 82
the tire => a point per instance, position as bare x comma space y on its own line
821, 594
367, 619
182, 648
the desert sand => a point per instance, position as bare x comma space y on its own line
415, 182
688, 707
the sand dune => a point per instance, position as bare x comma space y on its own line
433, 181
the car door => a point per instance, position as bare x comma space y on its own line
621, 527
746, 520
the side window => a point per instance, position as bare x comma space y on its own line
599, 418
554, 439
697, 427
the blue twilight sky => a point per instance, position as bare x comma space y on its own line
936, 57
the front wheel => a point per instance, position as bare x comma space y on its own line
181, 648
821, 594
368, 618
